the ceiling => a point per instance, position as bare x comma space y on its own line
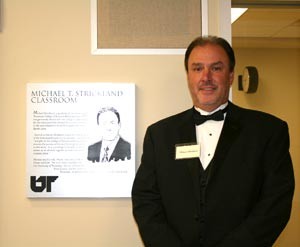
269, 26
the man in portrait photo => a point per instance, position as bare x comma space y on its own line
111, 147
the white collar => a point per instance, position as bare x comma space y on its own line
202, 112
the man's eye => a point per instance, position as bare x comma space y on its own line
197, 68
216, 68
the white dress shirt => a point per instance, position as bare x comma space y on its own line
208, 135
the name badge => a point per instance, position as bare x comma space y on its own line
187, 151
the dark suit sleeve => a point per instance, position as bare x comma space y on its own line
271, 212
147, 205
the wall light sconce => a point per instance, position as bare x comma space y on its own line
248, 81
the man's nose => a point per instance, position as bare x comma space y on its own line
206, 74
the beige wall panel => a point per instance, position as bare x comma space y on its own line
279, 94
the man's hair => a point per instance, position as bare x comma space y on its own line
106, 109
214, 40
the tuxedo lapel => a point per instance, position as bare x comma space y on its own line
187, 132
187, 135
230, 132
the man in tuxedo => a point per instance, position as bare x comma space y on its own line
215, 175
112, 146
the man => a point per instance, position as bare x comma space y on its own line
220, 182
112, 147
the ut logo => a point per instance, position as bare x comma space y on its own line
42, 183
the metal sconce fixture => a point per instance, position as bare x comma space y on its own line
248, 81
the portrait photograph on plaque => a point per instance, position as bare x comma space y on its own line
80, 139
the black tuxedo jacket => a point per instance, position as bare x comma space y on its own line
121, 152
248, 195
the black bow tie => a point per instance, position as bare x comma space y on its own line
217, 116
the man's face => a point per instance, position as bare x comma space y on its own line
109, 126
209, 77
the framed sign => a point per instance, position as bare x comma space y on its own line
80, 139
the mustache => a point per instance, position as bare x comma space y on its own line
207, 83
